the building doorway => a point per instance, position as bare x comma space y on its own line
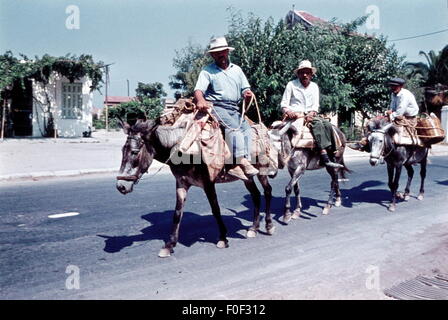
22, 109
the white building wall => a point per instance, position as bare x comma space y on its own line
64, 127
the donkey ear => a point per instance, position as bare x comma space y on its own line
124, 125
390, 128
144, 126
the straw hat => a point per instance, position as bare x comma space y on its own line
305, 64
219, 44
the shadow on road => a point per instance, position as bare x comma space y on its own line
203, 228
359, 194
193, 228
444, 183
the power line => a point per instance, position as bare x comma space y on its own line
422, 35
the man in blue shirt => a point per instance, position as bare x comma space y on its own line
224, 85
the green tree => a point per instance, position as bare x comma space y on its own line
150, 90
434, 71
189, 62
148, 104
352, 68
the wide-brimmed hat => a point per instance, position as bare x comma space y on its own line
396, 82
219, 44
305, 64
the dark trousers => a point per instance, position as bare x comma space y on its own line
322, 132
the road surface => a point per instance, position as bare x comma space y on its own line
107, 247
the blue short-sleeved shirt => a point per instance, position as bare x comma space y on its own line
222, 85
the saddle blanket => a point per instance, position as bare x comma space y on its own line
193, 133
302, 136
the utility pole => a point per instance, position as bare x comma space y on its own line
107, 110
3, 119
106, 100
127, 80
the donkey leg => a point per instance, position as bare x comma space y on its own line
338, 197
288, 189
394, 187
210, 192
410, 171
334, 180
267, 189
299, 174
181, 197
423, 164
256, 198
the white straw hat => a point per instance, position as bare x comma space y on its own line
305, 64
219, 44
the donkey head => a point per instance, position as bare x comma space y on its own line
380, 139
137, 156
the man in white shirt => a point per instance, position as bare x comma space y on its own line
402, 101
402, 105
301, 100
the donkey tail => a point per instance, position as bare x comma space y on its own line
344, 170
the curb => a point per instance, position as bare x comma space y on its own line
69, 173
159, 168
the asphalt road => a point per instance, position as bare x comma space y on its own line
355, 252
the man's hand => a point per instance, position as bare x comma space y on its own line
247, 95
389, 111
290, 114
203, 106
310, 115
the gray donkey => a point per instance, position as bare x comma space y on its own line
298, 160
382, 146
143, 145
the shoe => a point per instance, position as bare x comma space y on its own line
237, 172
249, 170
334, 165
355, 146
326, 162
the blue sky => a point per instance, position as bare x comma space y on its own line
141, 37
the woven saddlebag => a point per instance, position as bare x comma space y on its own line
429, 129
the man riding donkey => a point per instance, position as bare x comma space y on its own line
300, 103
403, 111
224, 84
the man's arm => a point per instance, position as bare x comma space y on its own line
285, 102
201, 86
201, 103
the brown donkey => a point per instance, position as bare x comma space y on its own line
143, 145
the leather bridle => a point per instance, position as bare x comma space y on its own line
136, 144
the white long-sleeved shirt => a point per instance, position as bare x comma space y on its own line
403, 104
297, 98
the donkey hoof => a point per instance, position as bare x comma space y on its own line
164, 253
222, 244
326, 211
270, 231
406, 197
400, 196
420, 197
251, 234
286, 218
391, 208
296, 215
338, 203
